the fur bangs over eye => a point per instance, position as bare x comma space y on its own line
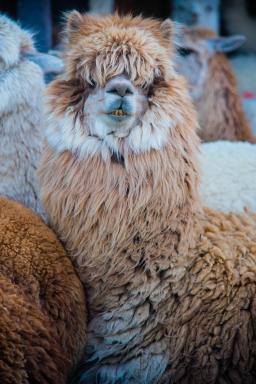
120, 60
98, 66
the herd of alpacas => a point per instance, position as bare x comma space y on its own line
121, 274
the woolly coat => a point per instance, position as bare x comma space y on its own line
228, 181
42, 310
21, 116
171, 288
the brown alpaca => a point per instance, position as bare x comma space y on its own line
171, 288
213, 85
42, 311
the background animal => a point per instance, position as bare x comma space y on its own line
21, 113
42, 303
213, 85
171, 287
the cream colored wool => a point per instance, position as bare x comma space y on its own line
170, 286
21, 116
228, 181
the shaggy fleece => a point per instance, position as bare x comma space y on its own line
42, 304
171, 287
21, 116
228, 175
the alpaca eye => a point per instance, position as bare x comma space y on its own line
185, 51
92, 83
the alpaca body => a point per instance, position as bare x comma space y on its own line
228, 180
42, 308
128, 293
213, 86
21, 127
22, 123
227, 120
176, 297
159, 298
130, 216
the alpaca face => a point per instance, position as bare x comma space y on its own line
199, 47
114, 110
110, 101
192, 62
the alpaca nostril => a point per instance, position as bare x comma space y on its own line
121, 89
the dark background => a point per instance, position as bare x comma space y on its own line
44, 16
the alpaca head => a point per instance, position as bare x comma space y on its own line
16, 45
14, 42
198, 47
114, 96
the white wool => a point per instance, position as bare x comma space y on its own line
21, 120
228, 175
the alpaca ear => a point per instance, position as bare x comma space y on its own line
178, 34
27, 44
225, 44
73, 22
167, 29
173, 31
47, 62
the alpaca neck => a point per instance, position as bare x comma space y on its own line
220, 109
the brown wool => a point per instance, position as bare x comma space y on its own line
42, 311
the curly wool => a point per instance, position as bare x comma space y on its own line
228, 180
42, 310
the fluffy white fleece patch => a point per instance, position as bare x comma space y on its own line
228, 175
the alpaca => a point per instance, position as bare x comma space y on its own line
21, 113
170, 286
213, 85
43, 315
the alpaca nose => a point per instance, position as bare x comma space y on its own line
121, 88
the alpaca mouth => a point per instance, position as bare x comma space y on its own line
118, 112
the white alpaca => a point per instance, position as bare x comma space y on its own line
21, 113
